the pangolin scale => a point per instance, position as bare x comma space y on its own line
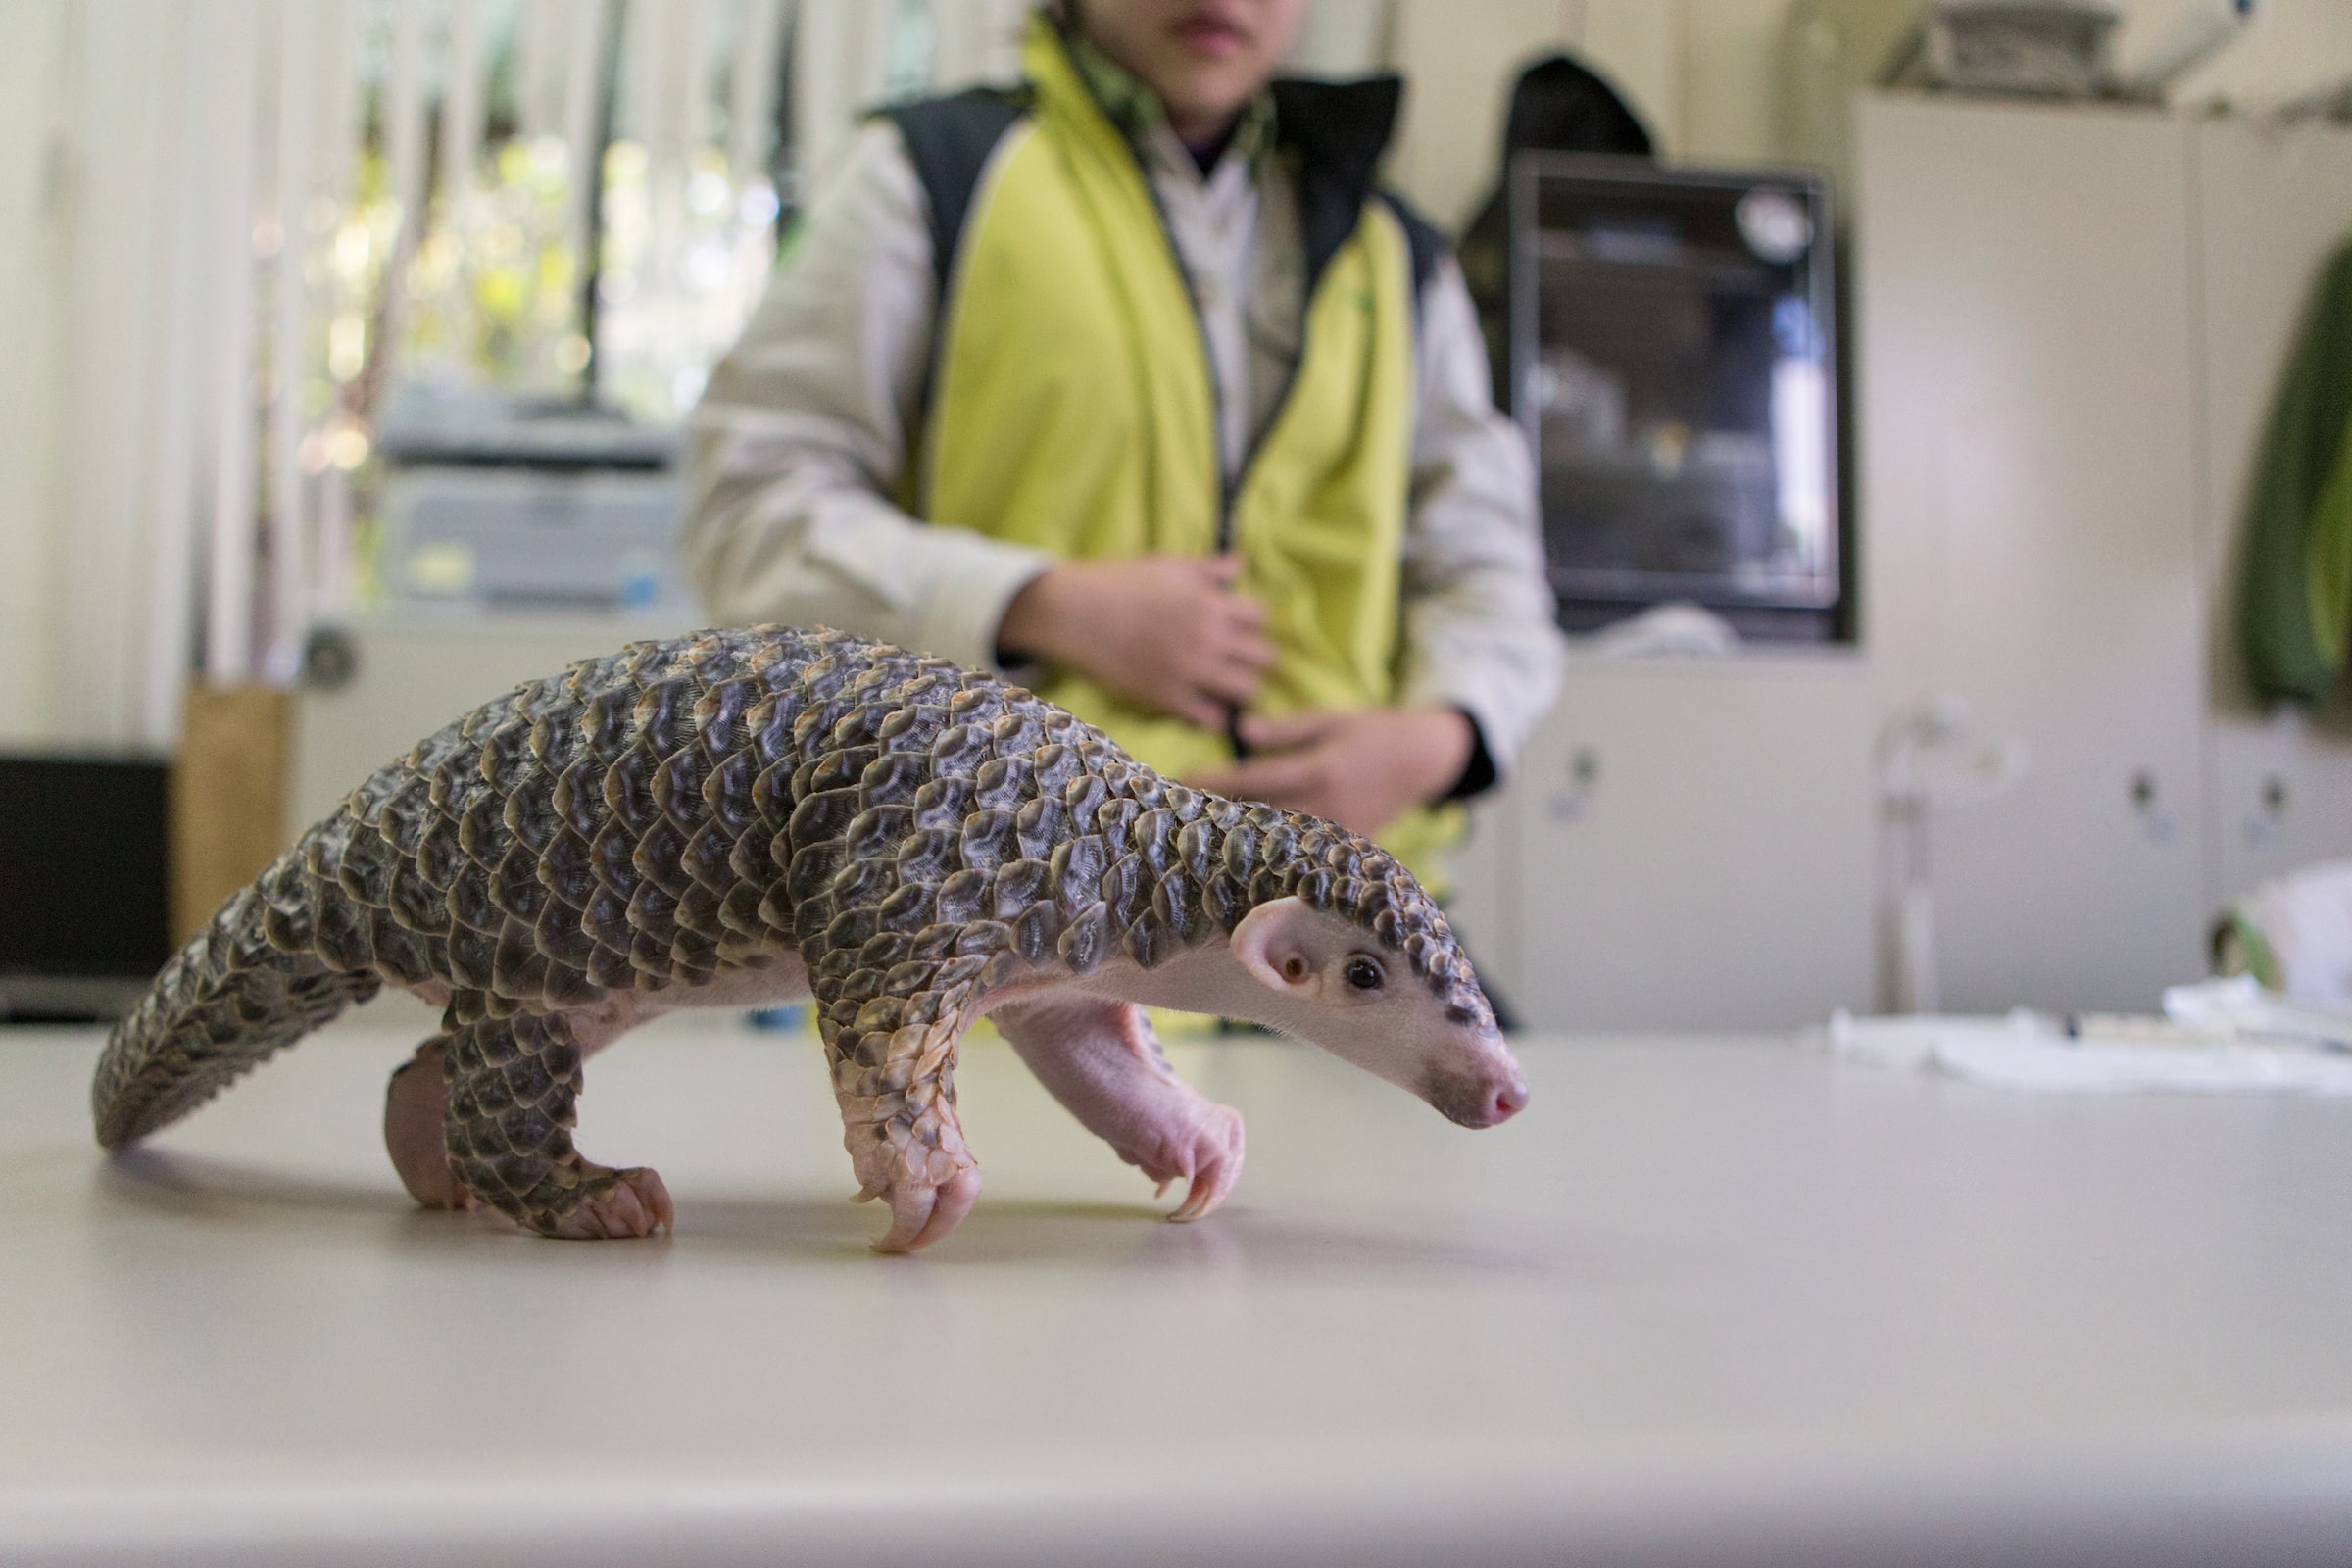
914, 840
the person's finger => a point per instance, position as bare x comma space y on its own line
1246, 648
1282, 732
1231, 685
1195, 707
1223, 571
1240, 610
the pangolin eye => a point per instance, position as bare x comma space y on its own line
1363, 973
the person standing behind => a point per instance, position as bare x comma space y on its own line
1133, 383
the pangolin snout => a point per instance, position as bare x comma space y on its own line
1483, 1099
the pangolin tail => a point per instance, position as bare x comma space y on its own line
246, 986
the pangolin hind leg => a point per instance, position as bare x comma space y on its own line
514, 1085
1101, 1058
416, 1109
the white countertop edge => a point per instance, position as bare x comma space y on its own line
2282, 1496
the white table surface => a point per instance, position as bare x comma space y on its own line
1706, 1300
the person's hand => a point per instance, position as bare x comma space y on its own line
1166, 631
1360, 769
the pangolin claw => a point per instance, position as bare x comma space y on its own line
921, 1213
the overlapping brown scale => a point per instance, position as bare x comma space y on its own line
1147, 942
407, 812
1002, 783
1035, 929
1018, 886
927, 856
1040, 825
1154, 839
862, 882
470, 901
628, 788
579, 797
605, 917
852, 928
909, 908
1074, 872
607, 723
530, 818
1196, 843
914, 721
841, 767
893, 779
1176, 905
942, 801
430, 753
661, 850
555, 737
515, 886
963, 896
478, 725
678, 787
366, 803
876, 831
664, 714
652, 964
720, 711
767, 730
342, 935
822, 818
560, 936
288, 906
517, 968
1125, 889
1225, 900
960, 748
507, 760
705, 857
567, 867
416, 903
936, 942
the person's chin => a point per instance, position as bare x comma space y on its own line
1215, 96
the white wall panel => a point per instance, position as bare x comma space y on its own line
116, 299
233, 146
33, 96
2273, 205
2027, 396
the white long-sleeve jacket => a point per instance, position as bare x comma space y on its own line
805, 428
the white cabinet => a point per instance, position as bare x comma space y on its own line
414, 670
2027, 413
1686, 844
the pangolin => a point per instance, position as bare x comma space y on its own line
764, 814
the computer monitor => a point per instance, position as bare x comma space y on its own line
84, 905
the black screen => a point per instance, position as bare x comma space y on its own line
82, 866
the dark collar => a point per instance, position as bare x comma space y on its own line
1338, 131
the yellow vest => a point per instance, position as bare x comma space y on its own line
1073, 408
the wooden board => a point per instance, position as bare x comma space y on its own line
228, 796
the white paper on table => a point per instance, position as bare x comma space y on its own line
2027, 1050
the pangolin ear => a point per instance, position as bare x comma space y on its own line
1268, 944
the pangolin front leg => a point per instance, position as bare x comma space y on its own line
893, 1059
514, 1085
1101, 1058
